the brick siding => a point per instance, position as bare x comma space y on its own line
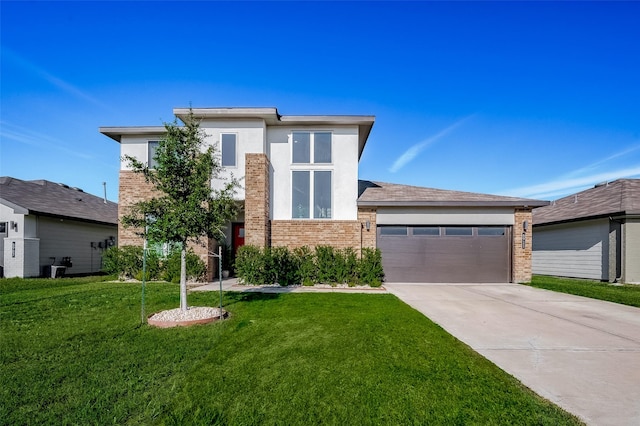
134, 188
522, 256
256, 204
368, 236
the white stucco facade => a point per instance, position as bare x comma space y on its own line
343, 168
261, 130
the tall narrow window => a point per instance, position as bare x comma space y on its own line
300, 196
152, 146
322, 195
301, 147
322, 147
228, 150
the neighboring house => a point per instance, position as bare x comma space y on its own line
593, 234
44, 223
301, 188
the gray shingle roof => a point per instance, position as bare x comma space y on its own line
391, 194
53, 199
618, 197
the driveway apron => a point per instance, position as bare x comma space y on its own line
580, 353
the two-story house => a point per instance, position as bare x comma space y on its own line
300, 187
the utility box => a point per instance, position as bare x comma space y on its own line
57, 271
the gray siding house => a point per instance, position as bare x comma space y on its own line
44, 223
594, 234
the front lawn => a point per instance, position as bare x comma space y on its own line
73, 352
625, 294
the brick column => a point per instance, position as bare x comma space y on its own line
522, 256
133, 188
256, 204
369, 237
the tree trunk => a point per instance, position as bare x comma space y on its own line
183, 278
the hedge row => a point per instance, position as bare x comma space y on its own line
324, 264
126, 262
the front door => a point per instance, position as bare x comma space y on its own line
238, 236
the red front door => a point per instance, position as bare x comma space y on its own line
238, 236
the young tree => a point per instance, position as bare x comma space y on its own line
185, 207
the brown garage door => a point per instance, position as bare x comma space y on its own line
446, 254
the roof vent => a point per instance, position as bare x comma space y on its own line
605, 183
64, 185
78, 189
575, 199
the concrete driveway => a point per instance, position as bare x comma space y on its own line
580, 353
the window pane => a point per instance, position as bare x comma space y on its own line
301, 147
491, 230
228, 150
322, 147
322, 195
151, 153
427, 230
300, 195
458, 231
393, 230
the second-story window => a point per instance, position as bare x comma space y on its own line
311, 147
228, 146
152, 146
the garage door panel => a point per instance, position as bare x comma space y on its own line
443, 258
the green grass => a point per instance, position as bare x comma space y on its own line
73, 352
625, 294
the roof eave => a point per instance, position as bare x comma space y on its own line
613, 216
116, 133
268, 114
78, 219
531, 204
15, 207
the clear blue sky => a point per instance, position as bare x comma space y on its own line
534, 99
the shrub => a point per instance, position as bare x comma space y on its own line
153, 267
287, 266
196, 269
370, 270
349, 272
303, 266
306, 265
127, 262
326, 264
250, 264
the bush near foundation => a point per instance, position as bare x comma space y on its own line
303, 266
126, 262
